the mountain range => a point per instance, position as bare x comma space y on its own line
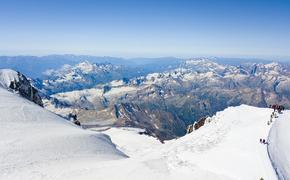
165, 103
116, 117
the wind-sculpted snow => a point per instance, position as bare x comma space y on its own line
279, 145
35, 141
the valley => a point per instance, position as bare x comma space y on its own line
165, 103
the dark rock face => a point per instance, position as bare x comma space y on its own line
157, 122
196, 125
199, 123
25, 89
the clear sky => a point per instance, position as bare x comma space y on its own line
130, 28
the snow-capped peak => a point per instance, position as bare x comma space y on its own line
198, 61
203, 65
85, 66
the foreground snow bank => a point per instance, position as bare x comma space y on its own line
279, 145
227, 147
37, 144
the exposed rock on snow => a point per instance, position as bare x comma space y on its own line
17, 82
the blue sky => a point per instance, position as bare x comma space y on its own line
149, 28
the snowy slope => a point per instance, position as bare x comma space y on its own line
229, 145
279, 146
35, 142
226, 148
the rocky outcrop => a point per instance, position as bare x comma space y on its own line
17, 82
198, 124
189, 129
156, 122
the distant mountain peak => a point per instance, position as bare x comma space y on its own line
85, 66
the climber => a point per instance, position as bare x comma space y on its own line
283, 108
274, 107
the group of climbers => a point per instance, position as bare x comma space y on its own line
278, 108
273, 115
263, 141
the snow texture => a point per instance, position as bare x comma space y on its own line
226, 148
35, 142
279, 146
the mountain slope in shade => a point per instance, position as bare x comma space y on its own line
279, 146
33, 139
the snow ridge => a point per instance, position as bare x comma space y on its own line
226, 147
279, 146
